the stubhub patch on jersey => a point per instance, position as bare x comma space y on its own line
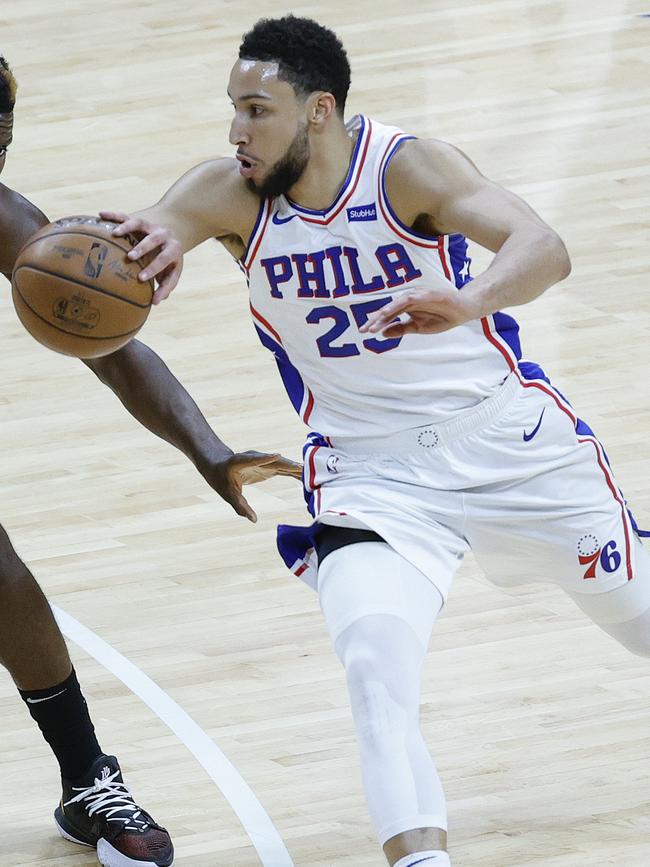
362, 213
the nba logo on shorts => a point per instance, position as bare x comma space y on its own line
333, 464
590, 554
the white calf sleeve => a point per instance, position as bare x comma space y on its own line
380, 611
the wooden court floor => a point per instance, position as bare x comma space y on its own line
540, 724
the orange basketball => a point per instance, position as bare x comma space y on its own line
76, 292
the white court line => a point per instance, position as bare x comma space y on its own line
257, 824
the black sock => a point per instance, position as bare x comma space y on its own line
62, 716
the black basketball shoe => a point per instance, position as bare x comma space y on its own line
98, 810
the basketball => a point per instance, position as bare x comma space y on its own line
75, 290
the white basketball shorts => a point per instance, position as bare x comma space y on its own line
519, 480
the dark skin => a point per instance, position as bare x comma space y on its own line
32, 648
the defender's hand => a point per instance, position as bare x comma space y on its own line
228, 476
167, 263
424, 311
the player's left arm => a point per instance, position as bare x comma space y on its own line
434, 182
153, 396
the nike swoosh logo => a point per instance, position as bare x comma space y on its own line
528, 436
47, 697
278, 220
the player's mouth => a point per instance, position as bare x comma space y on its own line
247, 165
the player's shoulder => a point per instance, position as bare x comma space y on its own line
426, 171
434, 156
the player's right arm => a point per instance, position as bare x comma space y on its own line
209, 201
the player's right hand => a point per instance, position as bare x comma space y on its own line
166, 252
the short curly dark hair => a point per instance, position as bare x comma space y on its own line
310, 57
7, 87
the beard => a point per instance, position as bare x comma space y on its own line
287, 171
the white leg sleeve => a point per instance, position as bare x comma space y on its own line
624, 613
380, 611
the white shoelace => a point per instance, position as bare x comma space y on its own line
110, 796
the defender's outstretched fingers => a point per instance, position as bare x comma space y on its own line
240, 504
286, 467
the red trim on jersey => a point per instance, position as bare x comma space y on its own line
442, 252
312, 469
306, 415
323, 221
266, 324
310, 406
617, 496
551, 393
390, 222
249, 261
490, 336
301, 569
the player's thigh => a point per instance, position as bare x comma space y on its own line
558, 516
360, 580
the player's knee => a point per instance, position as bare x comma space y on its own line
378, 713
381, 703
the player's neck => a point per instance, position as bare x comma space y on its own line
327, 169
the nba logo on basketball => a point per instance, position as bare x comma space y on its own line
94, 262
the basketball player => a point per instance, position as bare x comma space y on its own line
436, 436
96, 807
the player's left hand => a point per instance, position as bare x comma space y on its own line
228, 476
424, 311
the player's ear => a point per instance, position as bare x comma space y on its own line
320, 107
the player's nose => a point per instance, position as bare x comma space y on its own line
238, 133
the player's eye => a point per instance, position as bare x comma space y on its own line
257, 110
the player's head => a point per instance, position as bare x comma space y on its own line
291, 80
7, 101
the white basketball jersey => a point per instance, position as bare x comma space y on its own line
314, 277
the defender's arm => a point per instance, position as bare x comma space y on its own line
153, 396
19, 219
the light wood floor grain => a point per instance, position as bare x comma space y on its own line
540, 724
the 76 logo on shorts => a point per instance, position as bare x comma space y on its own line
590, 554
